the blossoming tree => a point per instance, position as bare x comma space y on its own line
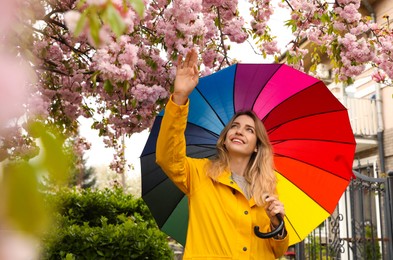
113, 60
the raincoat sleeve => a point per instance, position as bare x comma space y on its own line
171, 146
280, 245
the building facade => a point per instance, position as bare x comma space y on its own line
362, 226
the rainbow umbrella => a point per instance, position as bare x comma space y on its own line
308, 127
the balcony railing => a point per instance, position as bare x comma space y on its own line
363, 116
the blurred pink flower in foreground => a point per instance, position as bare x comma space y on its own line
14, 78
13, 71
6, 15
16, 246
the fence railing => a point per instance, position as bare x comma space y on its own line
360, 228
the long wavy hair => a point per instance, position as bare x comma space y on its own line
259, 172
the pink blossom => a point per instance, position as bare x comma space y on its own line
359, 29
162, 3
208, 57
350, 13
378, 76
211, 29
39, 105
234, 30
144, 93
55, 52
105, 35
210, 3
206, 72
270, 47
259, 27
117, 67
338, 25
314, 35
348, 2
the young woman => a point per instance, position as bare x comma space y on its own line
229, 195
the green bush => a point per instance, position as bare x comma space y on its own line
371, 246
105, 224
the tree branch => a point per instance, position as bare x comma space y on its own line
222, 40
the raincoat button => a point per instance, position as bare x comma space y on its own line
231, 182
244, 248
246, 212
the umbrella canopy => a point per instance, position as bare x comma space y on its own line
308, 127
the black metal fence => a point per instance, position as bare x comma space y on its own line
361, 226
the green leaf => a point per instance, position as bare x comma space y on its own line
126, 86
24, 204
55, 160
325, 18
94, 21
108, 87
115, 21
80, 4
292, 24
138, 6
349, 81
94, 78
80, 25
133, 103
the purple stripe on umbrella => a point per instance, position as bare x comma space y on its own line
250, 79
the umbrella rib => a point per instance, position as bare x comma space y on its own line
202, 145
203, 128
271, 130
171, 212
280, 155
260, 91
310, 139
210, 106
156, 185
294, 95
293, 228
316, 202
174, 208
198, 126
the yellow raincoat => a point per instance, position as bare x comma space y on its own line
221, 219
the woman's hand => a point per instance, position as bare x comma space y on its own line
187, 77
274, 207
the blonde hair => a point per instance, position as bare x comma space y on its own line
260, 169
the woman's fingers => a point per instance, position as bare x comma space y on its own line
274, 206
180, 61
187, 59
191, 59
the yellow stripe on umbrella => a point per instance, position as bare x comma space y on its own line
304, 219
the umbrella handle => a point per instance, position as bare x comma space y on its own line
272, 233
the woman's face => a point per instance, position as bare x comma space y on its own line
241, 137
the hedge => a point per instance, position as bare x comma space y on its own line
102, 224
